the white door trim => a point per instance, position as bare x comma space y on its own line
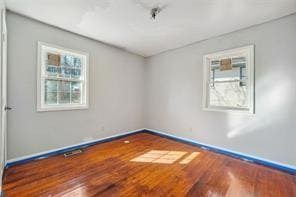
3, 91
4, 79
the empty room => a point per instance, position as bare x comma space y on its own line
192, 98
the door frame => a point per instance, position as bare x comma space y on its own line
4, 80
3, 91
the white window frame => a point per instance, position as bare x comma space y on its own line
248, 51
41, 106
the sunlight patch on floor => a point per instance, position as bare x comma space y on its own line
160, 156
189, 158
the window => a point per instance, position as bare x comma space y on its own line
228, 80
62, 78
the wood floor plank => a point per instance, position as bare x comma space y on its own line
107, 170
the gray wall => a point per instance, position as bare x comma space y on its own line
163, 92
174, 94
116, 91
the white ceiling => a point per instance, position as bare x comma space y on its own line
127, 23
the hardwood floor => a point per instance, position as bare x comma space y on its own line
107, 170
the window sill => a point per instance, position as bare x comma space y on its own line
61, 108
230, 110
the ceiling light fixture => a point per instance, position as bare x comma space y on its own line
154, 7
154, 12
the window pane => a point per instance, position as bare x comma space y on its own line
65, 72
64, 92
71, 66
228, 86
64, 97
51, 71
76, 92
75, 73
236, 72
52, 64
228, 94
50, 92
226, 75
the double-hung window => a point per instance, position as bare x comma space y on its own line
62, 78
229, 80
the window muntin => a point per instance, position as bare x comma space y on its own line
62, 78
229, 88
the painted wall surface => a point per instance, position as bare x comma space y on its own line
163, 92
174, 94
116, 91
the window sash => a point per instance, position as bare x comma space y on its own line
81, 77
211, 103
82, 93
62, 79
228, 81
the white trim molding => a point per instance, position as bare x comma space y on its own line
41, 106
248, 53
